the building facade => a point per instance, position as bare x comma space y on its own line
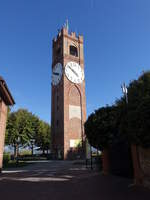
68, 102
5, 100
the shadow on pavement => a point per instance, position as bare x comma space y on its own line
58, 180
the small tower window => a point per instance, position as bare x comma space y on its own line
58, 52
73, 51
57, 107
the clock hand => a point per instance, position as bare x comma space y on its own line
55, 73
73, 71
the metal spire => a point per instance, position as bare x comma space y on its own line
125, 91
67, 24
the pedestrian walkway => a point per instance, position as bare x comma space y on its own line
65, 180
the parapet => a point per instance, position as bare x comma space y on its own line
72, 35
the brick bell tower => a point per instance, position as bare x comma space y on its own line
68, 108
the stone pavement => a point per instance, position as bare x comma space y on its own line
65, 180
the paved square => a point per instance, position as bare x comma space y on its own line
55, 180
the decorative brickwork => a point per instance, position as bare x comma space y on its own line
68, 108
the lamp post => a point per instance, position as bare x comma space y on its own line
88, 154
91, 157
18, 142
32, 145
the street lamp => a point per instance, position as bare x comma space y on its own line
18, 142
32, 145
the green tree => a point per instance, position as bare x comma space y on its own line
19, 129
101, 127
23, 127
138, 115
42, 138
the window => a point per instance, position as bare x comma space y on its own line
57, 107
58, 52
57, 122
73, 51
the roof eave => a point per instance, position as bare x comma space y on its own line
5, 93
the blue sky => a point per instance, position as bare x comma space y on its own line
116, 47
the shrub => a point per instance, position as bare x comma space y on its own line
6, 158
101, 127
138, 111
25, 152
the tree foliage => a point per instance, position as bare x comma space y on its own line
22, 127
139, 111
100, 127
123, 121
42, 138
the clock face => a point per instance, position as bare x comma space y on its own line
74, 72
56, 73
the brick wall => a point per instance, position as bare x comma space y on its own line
71, 114
3, 117
144, 160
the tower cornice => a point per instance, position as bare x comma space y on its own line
72, 35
